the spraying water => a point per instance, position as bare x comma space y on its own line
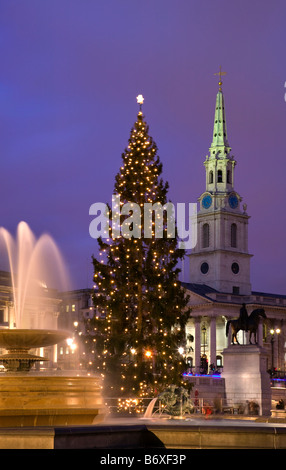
36, 267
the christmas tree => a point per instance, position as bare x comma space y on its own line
141, 306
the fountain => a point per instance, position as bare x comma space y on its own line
19, 342
31, 397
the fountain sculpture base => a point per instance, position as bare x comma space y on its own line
19, 360
30, 398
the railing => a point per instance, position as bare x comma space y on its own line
277, 374
201, 406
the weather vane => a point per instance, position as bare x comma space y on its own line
140, 100
220, 73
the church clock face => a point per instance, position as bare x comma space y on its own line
207, 201
233, 201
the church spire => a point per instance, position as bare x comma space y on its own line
219, 147
219, 164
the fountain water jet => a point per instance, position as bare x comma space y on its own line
29, 398
34, 264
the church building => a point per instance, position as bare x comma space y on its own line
219, 264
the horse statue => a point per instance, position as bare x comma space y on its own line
246, 323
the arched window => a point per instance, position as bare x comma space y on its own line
233, 236
219, 176
206, 236
211, 177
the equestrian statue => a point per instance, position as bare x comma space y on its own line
247, 323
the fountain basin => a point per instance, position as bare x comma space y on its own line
59, 400
30, 338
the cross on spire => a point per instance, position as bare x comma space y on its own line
220, 73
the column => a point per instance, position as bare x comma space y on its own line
229, 332
213, 341
260, 334
55, 354
197, 344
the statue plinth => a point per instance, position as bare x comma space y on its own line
246, 377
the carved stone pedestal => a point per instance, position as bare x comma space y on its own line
246, 379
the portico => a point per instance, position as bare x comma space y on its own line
211, 310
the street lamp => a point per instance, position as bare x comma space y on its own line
272, 332
278, 332
204, 362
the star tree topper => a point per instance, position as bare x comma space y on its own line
140, 100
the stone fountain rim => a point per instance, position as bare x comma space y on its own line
46, 330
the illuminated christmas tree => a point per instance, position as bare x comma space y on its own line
141, 306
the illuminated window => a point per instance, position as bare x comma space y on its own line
73, 308
219, 361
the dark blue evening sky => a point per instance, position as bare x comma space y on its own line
69, 76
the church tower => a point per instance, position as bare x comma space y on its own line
221, 259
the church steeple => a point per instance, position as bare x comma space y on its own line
221, 259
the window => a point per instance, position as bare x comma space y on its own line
67, 308
228, 176
219, 176
233, 235
235, 268
211, 177
1, 316
73, 307
204, 268
206, 236
190, 361
235, 290
219, 361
